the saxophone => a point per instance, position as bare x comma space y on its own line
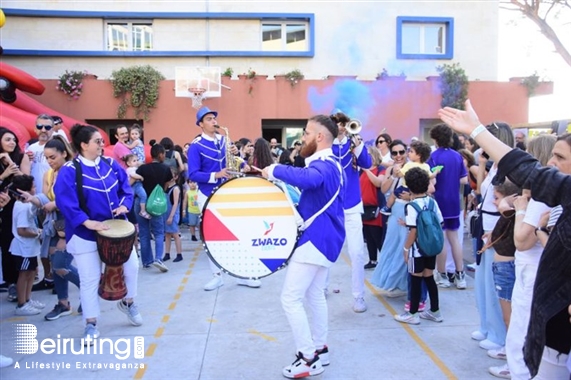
232, 162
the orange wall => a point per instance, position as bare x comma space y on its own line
392, 104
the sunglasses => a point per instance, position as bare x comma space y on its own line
398, 152
98, 141
46, 127
380, 141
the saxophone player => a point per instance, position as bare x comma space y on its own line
208, 157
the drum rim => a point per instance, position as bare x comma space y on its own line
103, 234
205, 245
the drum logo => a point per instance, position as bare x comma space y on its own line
268, 243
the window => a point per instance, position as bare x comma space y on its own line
129, 36
425, 38
284, 36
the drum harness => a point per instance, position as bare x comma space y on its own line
303, 225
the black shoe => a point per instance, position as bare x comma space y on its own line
193, 238
166, 257
177, 258
370, 265
58, 311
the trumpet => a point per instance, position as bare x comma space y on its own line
354, 126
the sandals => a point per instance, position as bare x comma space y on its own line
145, 215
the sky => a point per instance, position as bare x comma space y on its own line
523, 50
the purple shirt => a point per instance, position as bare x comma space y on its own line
447, 192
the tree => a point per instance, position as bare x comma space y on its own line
548, 15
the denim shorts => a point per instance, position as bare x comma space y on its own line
193, 219
504, 278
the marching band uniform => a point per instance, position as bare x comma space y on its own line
206, 157
318, 248
105, 187
353, 207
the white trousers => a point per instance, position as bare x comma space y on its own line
553, 366
356, 250
89, 268
521, 310
306, 281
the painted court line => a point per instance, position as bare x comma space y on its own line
160, 330
422, 344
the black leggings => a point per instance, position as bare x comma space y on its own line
374, 236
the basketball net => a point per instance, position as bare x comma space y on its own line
197, 96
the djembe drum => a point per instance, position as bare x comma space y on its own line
115, 246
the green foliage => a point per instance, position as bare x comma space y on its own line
70, 83
251, 74
294, 76
138, 87
453, 85
531, 82
228, 72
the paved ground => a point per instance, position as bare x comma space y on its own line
241, 333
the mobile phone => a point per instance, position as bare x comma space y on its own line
17, 196
485, 155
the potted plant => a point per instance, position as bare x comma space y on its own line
70, 83
531, 82
138, 87
228, 72
294, 77
384, 75
453, 85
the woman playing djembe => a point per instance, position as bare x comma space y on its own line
90, 190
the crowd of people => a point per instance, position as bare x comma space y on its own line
57, 196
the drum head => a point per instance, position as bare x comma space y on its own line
118, 228
248, 227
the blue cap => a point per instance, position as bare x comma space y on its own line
203, 112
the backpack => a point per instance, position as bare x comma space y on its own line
429, 235
170, 159
157, 202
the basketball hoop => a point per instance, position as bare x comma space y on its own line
197, 96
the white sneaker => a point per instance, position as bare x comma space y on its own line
498, 354
434, 316
460, 280
487, 344
249, 283
323, 355
301, 368
477, 335
359, 306
160, 266
27, 309
406, 317
215, 283
90, 334
36, 304
132, 313
443, 281
501, 371
5, 361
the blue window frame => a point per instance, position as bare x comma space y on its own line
425, 37
297, 30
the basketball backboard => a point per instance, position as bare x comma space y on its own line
197, 77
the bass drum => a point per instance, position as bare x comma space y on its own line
249, 227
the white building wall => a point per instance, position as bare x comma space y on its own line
351, 38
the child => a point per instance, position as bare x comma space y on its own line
418, 154
135, 143
419, 266
191, 209
171, 217
25, 246
136, 182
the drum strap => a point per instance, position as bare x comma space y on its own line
79, 182
310, 220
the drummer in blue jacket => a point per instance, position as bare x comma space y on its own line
351, 155
321, 207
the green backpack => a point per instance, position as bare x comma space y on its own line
157, 202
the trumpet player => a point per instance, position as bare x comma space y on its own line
207, 166
348, 150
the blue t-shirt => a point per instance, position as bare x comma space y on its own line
447, 192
